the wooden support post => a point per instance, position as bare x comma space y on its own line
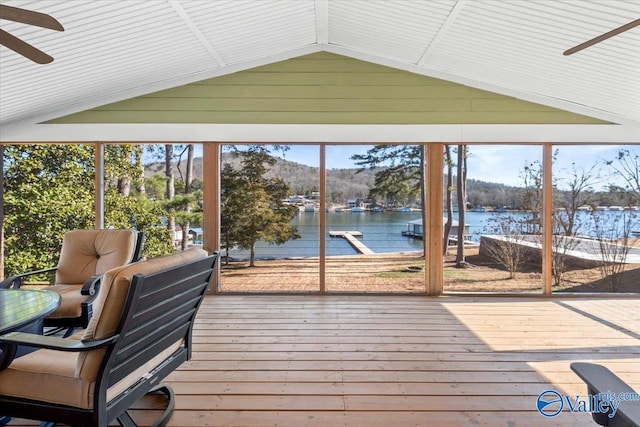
211, 204
323, 218
547, 218
434, 228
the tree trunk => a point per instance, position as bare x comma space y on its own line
142, 189
187, 190
124, 186
449, 200
170, 189
423, 196
462, 201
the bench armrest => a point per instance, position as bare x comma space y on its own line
599, 379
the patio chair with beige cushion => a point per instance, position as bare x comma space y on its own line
85, 255
140, 332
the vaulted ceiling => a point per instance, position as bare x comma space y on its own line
113, 50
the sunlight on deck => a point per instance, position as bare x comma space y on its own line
396, 360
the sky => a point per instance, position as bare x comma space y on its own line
492, 163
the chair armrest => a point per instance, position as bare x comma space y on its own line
54, 343
91, 286
16, 281
599, 379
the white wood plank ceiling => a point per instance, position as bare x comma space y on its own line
112, 49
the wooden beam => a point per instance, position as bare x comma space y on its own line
211, 203
434, 227
547, 218
323, 217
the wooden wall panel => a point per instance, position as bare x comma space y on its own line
325, 88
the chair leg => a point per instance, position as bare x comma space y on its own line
125, 419
171, 403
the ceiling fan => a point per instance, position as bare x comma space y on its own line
602, 37
30, 18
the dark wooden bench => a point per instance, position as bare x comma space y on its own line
140, 333
599, 379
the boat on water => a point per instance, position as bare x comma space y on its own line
416, 230
478, 209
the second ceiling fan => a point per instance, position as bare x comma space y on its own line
28, 17
602, 37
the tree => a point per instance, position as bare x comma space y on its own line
170, 188
448, 161
252, 205
401, 167
578, 181
140, 213
184, 206
461, 193
504, 244
232, 204
399, 170
612, 236
532, 198
49, 190
123, 167
627, 166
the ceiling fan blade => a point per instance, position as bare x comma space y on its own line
23, 48
602, 37
29, 17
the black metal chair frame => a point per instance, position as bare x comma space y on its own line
90, 288
159, 310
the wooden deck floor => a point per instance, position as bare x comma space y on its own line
396, 360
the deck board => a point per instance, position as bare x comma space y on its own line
345, 360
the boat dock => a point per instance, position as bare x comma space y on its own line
350, 236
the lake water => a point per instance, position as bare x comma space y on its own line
381, 232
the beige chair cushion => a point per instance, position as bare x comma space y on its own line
70, 301
86, 253
110, 302
47, 375
69, 378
